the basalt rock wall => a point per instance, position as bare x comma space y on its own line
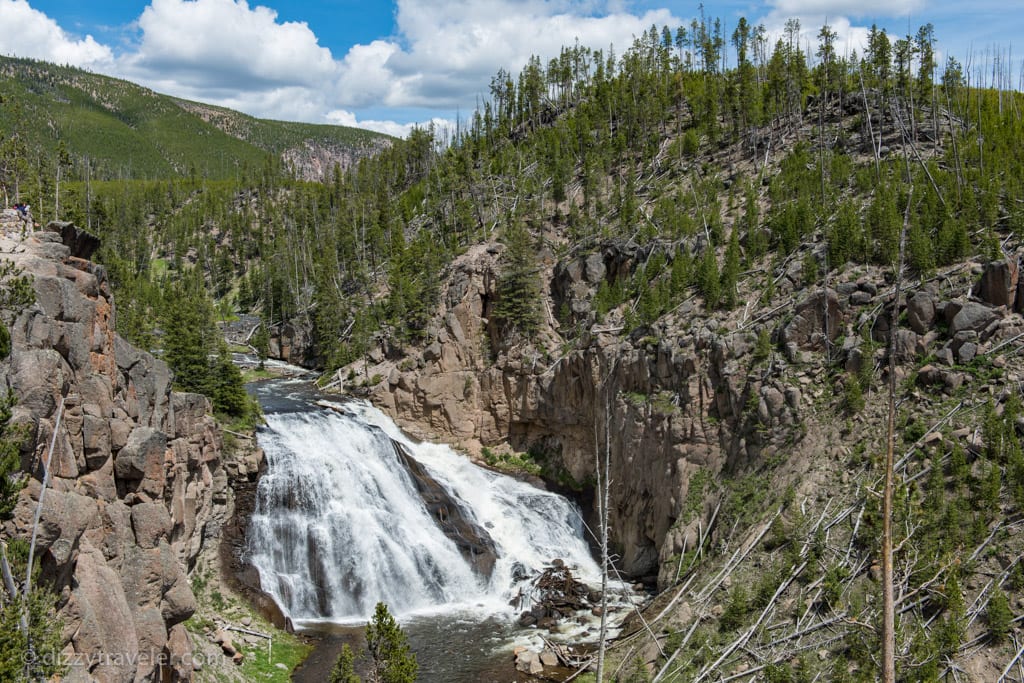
136, 483
717, 394
664, 404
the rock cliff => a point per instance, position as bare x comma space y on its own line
666, 404
137, 485
696, 397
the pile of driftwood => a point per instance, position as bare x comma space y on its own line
554, 595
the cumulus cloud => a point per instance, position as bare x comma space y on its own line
30, 33
849, 37
441, 56
227, 43
231, 53
838, 14
446, 51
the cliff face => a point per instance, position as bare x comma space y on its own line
716, 395
666, 404
136, 486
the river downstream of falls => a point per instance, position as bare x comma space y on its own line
350, 512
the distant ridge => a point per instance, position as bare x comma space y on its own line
130, 132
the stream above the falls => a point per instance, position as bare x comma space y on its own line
350, 512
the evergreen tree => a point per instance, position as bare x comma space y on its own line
344, 670
708, 280
517, 307
730, 276
188, 337
998, 615
393, 661
195, 351
11, 477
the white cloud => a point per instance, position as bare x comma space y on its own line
849, 38
448, 51
442, 56
365, 78
215, 44
26, 32
243, 56
342, 117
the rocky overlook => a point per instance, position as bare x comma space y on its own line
136, 486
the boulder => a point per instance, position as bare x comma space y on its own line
529, 662
966, 353
95, 441
101, 617
189, 412
860, 298
906, 345
921, 312
80, 243
64, 518
972, 316
151, 523
179, 654
39, 377
816, 317
593, 269
998, 284
142, 459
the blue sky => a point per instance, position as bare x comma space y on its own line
390, 65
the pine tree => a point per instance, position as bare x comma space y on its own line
731, 272
998, 615
11, 477
393, 661
344, 670
708, 280
517, 307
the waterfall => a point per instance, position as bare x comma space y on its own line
340, 523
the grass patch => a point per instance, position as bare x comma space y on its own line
515, 463
265, 660
262, 662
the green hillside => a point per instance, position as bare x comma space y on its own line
126, 131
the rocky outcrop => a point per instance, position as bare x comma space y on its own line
667, 403
472, 540
293, 343
135, 474
696, 395
317, 160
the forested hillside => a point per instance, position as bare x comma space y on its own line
696, 259
660, 146
65, 122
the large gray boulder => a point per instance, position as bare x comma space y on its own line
972, 316
921, 312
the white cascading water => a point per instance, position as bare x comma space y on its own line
339, 524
